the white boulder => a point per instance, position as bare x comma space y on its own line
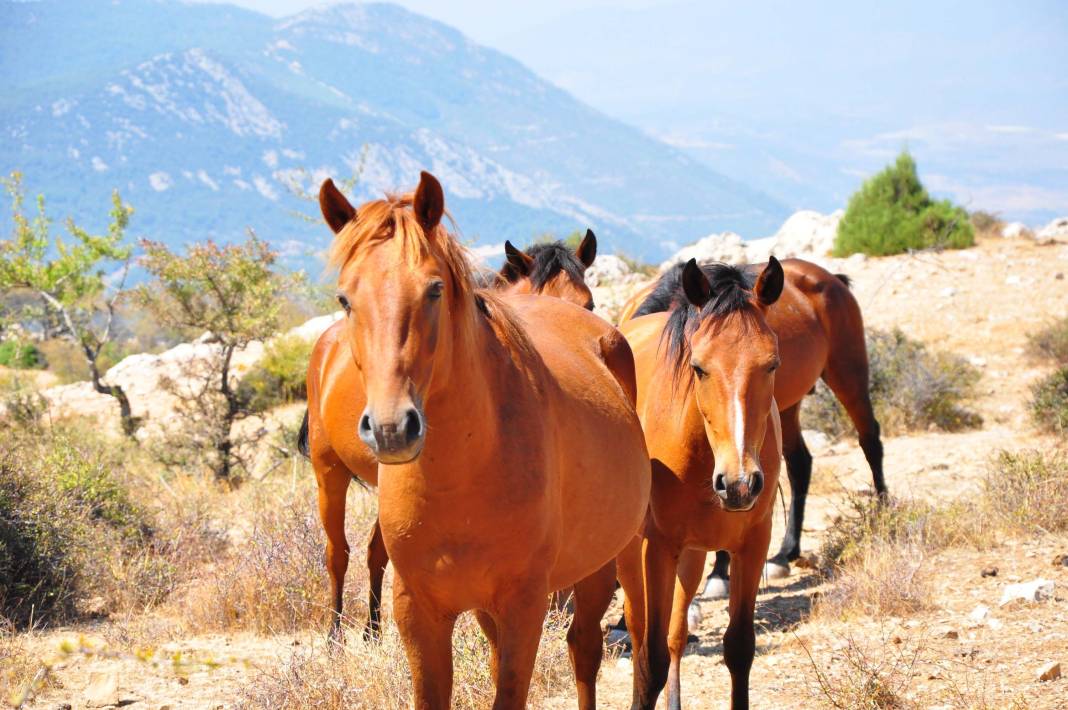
727, 247
807, 234
1055, 230
609, 269
1015, 230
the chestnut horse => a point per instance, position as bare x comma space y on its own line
706, 383
821, 334
550, 269
511, 462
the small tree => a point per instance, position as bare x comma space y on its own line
67, 280
232, 293
892, 213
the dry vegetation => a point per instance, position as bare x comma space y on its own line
193, 594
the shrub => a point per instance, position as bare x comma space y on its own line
892, 213
21, 355
70, 536
1027, 491
1051, 343
911, 388
1049, 402
985, 221
280, 375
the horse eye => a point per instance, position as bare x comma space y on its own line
343, 300
773, 367
590, 306
434, 290
698, 371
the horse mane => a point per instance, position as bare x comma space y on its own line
551, 258
732, 293
394, 218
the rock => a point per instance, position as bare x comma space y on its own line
1060, 560
947, 292
1016, 230
1033, 591
815, 439
102, 690
994, 624
694, 616
989, 572
727, 247
1013, 280
1050, 671
608, 269
312, 329
979, 614
806, 234
947, 632
1055, 230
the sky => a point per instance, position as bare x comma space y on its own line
803, 100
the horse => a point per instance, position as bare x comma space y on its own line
706, 382
511, 462
550, 269
821, 335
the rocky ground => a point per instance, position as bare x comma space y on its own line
980, 303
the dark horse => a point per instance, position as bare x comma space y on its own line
821, 335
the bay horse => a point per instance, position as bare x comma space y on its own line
511, 462
820, 331
706, 383
550, 269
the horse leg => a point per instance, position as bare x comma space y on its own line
585, 642
489, 629
799, 470
333, 479
717, 586
691, 565
847, 376
739, 641
519, 621
377, 559
629, 573
427, 637
659, 562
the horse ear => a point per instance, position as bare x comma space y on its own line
517, 263
769, 284
429, 201
587, 250
695, 284
336, 209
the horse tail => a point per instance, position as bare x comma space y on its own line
302, 438
844, 278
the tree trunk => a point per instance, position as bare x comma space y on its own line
129, 424
226, 444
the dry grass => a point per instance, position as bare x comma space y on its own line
359, 674
858, 678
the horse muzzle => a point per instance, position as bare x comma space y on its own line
397, 440
739, 494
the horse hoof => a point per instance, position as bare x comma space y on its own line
776, 570
693, 615
717, 588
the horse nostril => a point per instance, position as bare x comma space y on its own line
413, 425
366, 427
756, 483
719, 484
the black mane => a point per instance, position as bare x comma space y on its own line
550, 259
732, 292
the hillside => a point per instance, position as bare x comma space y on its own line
205, 116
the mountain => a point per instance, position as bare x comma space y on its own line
209, 118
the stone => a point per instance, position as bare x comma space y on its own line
1033, 591
102, 690
1015, 230
979, 614
989, 572
1055, 230
1050, 671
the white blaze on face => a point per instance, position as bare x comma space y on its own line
739, 431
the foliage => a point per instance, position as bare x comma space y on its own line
21, 355
280, 375
233, 294
892, 213
911, 389
1028, 490
67, 278
985, 221
1051, 343
70, 534
1049, 402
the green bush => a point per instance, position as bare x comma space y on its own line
1049, 402
279, 377
71, 539
21, 355
911, 389
1051, 343
892, 213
